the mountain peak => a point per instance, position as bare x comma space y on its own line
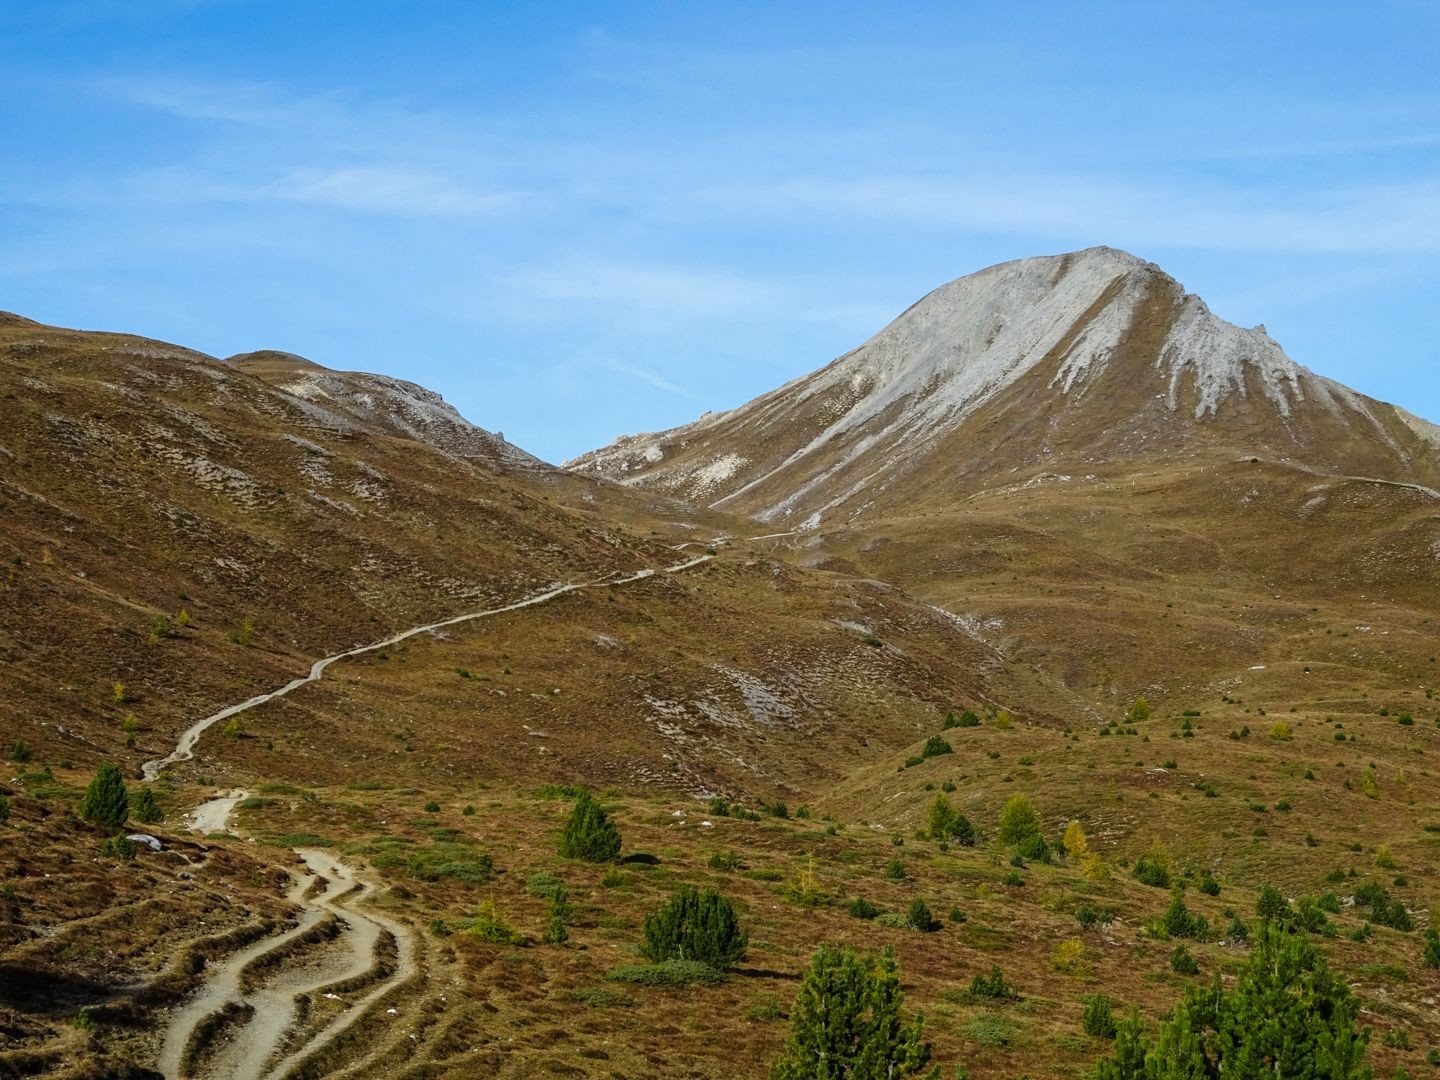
1096, 354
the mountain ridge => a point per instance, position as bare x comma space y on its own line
1077, 334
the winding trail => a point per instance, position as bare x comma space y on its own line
269, 1006
185, 747
248, 1017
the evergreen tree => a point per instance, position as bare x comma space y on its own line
1432, 947
1287, 1017
1139, 712
944, 822
143, 807
919, 917
695, 925
846, 1022
105, 802
589, 834
1018, 820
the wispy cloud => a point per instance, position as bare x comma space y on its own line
651, 378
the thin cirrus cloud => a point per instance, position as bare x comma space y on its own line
650, 377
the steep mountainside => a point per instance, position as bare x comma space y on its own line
1072, 363
307, 510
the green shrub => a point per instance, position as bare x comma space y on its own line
935, 746
861, 908
668, 973
544, 885
944, 823
988, 1029
1151, 869
1034, 848
918, 917
118, 847
895, 870
695, 925
589, 833
992, 985
143, 807
723, 860
603, 997
1097, 1019
1178, 921
1182, 963
490, 925
4, 809
1018, 820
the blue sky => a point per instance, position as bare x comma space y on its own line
577, 221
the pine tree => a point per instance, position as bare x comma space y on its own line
105, 802
1287, 1016
846, 1022
944, 822
143, 807
589, 834
1098, 1018
695, 925
1139, 712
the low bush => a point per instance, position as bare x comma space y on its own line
669, 973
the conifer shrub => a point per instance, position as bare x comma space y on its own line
143, 807
491, 926
943, 823
847, 1022
935, 746
106, 802
1179, 922
1183, 963
695, 925
1097, 1019
918, 917
1153, 868
1286, 1015
992, 986
589, 833
118, 847
861, 908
